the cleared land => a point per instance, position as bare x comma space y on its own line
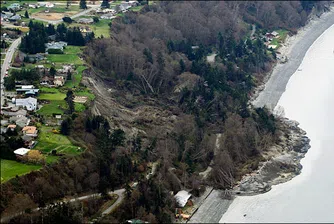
10, 169
47, 141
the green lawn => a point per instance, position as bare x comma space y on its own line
51, 159
86, 92
137, 8
47, 141
3, 56
278, 41
79, 107
64, 58
52, 96
10, 169
73, 49
76, 78
99, 28
55, 106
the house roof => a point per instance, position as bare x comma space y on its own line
29, 129
182, 197
274, 33
21, 151
11, 126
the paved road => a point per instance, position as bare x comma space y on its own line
120, 198
276, 85
54, 22
6, 63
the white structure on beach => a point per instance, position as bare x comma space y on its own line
182, 198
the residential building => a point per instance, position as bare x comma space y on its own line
49, 5
182, 198
27, 91
21, 152
14, 18
20, 121
30, 131
108, 16
65, 69
29, 103
85, 20
275, 34
34, 6
55, 45
19, 113
14, 6
59, 80
11, 127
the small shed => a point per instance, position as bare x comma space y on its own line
21, 152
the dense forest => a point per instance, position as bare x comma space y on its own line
161, 62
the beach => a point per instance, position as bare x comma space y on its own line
241, 208
309, 99
294, 49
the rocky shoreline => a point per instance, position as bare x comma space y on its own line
282, 161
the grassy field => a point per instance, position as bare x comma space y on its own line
79, 107
47, 141
10, 169
278, 41
52, 96
76, 78
99, 28
55, 106
137, 8
64, 58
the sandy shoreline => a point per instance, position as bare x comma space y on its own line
294, 48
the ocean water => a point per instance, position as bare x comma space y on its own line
309, 99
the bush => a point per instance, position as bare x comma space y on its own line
55, 51
96, 19
67, 19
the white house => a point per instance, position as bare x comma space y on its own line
29, 103
182, 198
21, 152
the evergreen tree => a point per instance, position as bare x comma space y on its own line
53, 71
69, 75
69, 100
50, 30
105, 4
26, 14
182, 66
83, 4
65, 127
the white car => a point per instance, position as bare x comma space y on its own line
9, 50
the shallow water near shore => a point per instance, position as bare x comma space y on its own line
309, 99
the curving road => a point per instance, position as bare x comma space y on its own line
5, 65
119, 192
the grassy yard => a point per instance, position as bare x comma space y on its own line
99, 28
52, 96
10, 169
79, 107
76, 78
47, 141
137, 8
278, 41
65, 58
56, 106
